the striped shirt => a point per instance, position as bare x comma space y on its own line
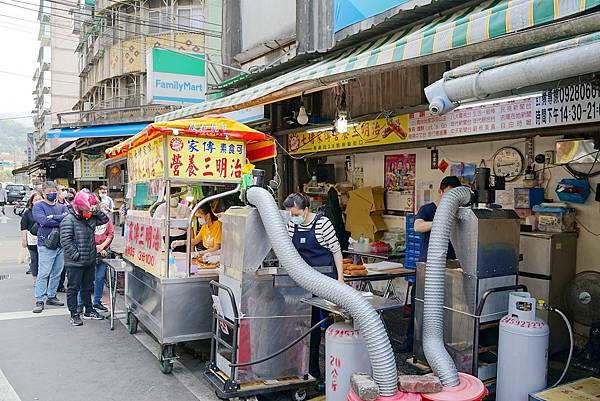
324, 232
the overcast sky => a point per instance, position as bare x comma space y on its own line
18, 49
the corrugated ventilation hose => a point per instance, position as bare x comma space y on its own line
433, 312
366, 318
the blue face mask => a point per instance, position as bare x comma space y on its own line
297, 219
51, 196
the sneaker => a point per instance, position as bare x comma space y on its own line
76, 320
80, 309
39, 307
61, 289
101, 307
28, 271
54, 302
93, 315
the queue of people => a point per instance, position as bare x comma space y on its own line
67, 233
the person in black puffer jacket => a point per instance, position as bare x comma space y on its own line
78, 242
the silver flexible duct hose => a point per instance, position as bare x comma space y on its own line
433, 312
366, 318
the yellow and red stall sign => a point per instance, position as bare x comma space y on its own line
205, 158
367, 133
147, 161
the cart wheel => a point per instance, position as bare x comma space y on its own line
132, 323
298, 395
166, 358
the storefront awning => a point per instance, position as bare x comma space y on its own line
260, 146
489, 20
97, 131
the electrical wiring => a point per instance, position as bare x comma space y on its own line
29, 77
133, 33
587, 229
173, 26
119, 2
288, 153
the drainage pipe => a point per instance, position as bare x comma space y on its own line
433, 312
366, 318
445, 94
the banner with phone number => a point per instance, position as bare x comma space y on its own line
205, 159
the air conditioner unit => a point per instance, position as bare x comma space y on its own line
87, 106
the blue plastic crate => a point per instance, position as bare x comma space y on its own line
413, 246
580, 190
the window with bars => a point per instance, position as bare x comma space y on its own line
153, 21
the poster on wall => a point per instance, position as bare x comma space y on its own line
464, 171
399, 180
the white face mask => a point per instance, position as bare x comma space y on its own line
201, 221
173, 202
297, 219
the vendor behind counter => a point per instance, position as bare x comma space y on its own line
209, 235
177, 211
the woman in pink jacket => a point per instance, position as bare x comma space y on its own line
104, 237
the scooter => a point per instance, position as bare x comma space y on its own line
20, 206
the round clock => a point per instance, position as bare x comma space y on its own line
509, 163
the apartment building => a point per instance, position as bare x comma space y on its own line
114, 39
56, 80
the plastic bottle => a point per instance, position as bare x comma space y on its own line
362, 243
172, 264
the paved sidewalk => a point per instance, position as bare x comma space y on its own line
43, 357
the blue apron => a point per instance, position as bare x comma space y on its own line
311, 251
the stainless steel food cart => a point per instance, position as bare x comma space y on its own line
166, 292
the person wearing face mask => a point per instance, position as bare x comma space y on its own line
210, 232
177, 211
29, 234
62, 194
314, 238
77, 236
48, 214
65, 197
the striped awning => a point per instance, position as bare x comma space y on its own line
488, 20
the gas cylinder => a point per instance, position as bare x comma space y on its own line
345, 354
522, 350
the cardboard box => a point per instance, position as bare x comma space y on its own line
369, 197
581, 390
369, 224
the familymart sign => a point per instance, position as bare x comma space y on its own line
175, 77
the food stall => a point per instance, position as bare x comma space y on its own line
168, 292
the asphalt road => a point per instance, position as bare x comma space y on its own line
43, 357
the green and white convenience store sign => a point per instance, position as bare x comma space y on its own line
175, 77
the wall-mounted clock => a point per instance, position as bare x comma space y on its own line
508, 162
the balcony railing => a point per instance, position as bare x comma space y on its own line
114, 111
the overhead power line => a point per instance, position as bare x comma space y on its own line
119, 2
133, 33
137, 21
